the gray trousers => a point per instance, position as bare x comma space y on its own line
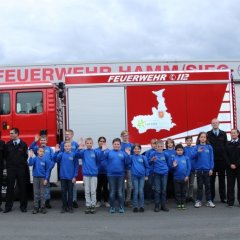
90, 187
191, 184
39, 192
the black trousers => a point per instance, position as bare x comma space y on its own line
203, 179
232, 176
180, 188
19, 175
219, 168
102, 188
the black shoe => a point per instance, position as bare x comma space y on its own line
6, 210
156, 209
75, 204
191, 200
47, 204
92, 210
70, 210
229, 205
35, 211
164, 208
87, 210
223, 200
23, 209
63, 210
135, 210
141, 209
1, 209
43, 210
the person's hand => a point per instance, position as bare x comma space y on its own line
104, 146
57, 148
186, 179
233, 166
30, 153
146, 178
175, 163
81, 143
210, 172
128, 151
200, 149
45, 182
36, 138
73, 180
154, 158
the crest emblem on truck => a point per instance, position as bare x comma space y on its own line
160, 118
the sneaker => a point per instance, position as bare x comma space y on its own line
198, 204
43, 210
112, 210
70, 210
210, 204
164, 208
183, 207
88, 210
191, 200
141, 209
121, 210
179, 206
229, 205
75, 204
98, 204
35, 211
93, 210
135, 210
106, 204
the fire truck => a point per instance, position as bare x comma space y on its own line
159, 104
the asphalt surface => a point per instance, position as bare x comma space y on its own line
219, 223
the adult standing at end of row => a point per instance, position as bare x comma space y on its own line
16, 156
2, 146
218, 140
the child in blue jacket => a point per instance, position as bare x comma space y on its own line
90, 162
48, 153
68, 174
41, 174
140, 171
181, 166
159, 160
188, 153
204, 164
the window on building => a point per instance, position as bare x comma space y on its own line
29, 102
4, 103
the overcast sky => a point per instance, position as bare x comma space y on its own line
67, 31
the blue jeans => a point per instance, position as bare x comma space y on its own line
116, 186
160, 184
149, 193
47, 193
138, 186
67, 193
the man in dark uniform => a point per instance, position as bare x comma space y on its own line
16, 162
218, 140
2, 146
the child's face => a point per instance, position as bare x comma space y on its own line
203, 138
170, 144
101, 142
154, 144
189, 142
137, 150
160, 147
67, 147
68, 136
125, 137
43, 142
89, 144
116, 145
179, 151
40, 152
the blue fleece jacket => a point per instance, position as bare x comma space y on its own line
90, 161
102, 168
188, 152
148, 154
160, 165
203, 160
116, 161
68, 164
139, 165
170, 153
48, 152
183, 167
41, 167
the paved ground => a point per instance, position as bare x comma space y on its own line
220, 223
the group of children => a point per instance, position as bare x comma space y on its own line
105, 170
